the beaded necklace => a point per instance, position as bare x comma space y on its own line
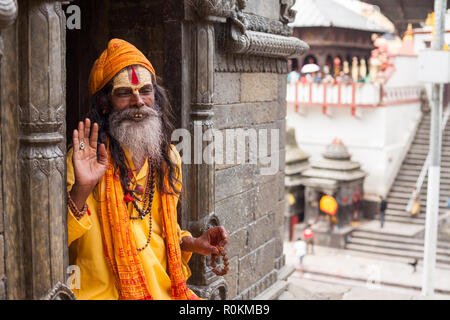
149, 191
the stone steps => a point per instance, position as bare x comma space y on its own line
414, 172
394, 252
444, 155
403, 213
443, 194
426, 142
412, 247
417, 168
413, 180
415, 159
423, 206
404, 201
407, 194
387, 243
399, 219
396, 238
408, 184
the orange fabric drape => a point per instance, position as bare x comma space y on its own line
120, 251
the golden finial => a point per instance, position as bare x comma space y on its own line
408, 33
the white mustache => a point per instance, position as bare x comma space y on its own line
131, 113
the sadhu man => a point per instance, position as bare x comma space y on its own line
123, 181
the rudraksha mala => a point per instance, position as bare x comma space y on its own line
148, 196
214, 257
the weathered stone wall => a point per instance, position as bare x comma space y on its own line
251, 205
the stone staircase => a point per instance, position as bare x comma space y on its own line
402, 236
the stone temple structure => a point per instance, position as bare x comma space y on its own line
224, 63
335, 175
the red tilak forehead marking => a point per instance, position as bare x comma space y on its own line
134, 78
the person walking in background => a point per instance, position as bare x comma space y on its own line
308, 236
414, 264
300, 251
383, 205
416, 205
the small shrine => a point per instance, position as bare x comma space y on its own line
337, 176
296, 163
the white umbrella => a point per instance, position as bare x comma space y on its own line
309, 68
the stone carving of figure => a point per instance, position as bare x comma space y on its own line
287, 15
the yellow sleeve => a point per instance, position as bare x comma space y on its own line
185, 255
75, 228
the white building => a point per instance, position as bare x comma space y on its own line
376, 123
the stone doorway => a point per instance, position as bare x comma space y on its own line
142, 23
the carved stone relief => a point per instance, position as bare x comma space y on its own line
287, 15
59, 292
253, 35
220, 8
215, 291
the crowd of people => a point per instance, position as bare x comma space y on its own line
357, 74
376, 69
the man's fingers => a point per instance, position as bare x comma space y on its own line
87, 127
81, 131
94, 136
214, 250
224, 235
76, 142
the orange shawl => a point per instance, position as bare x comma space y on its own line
120, 249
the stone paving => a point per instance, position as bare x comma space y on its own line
342, 275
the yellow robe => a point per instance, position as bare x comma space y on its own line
86, 248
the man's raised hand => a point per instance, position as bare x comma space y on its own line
89, 164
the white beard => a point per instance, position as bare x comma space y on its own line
141, 138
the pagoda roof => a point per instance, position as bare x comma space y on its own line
329, 13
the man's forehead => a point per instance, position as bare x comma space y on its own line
132, 76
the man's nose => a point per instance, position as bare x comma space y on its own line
138, 99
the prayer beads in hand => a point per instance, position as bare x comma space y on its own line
214, 257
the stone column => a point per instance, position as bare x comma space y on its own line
202, 171
8, 14
42, 144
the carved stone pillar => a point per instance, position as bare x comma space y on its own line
202, 171
42, 141
8, 14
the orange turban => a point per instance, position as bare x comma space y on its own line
119, 54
